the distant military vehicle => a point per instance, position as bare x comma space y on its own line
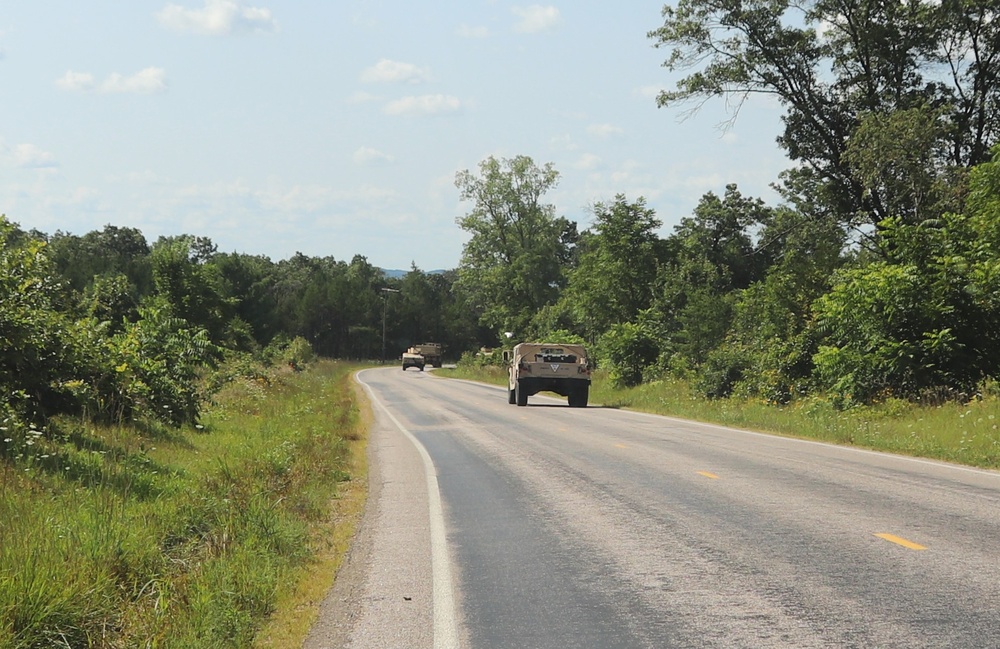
430, 351
413, 360
551, 367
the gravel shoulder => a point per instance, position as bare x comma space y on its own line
383, 596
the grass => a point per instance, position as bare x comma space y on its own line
224, 535
955, 432
229, 535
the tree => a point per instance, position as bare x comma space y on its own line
894, 156
712, 256
110, 251
513, 264
246, 281
616, 269
111, 299
192, 287
830, 63
769, 348
921, 322
628, 348
37, 352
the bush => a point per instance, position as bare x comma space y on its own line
720, 373
482, 358
157, 366
628, 349
299, 352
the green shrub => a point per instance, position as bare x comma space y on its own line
628, 349
299, 352
720, 373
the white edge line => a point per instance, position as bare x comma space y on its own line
445, 619
853, 449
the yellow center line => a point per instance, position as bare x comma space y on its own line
708, 475
620, 446
891, 538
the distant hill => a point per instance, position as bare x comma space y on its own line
395, 273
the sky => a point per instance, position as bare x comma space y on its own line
336, 127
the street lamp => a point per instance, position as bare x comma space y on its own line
385, 304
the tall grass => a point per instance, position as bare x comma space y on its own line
965, 433
131, 537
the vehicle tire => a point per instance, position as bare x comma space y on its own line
421, 368
520, 395
578, 397
511, 397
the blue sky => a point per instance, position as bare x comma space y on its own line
336, 128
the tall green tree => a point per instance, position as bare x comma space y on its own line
512, 266
830, 62
37, 352
768, 350
923, 320
191, 285
896, 156
713, 255
110, 251
617, 266
247, 282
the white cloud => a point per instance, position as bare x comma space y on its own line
29, 156
217, 18
604, 130
647, 92
587, 161
76, 81
535, 18
139, 178
468, 31
367, 155
144, 82
423, 105
362, 97
386, 71
234, 201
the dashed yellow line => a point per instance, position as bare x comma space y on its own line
620, 446
892, 538
708, 475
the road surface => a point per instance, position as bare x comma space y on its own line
493, 526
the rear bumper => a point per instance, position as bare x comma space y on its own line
563, 386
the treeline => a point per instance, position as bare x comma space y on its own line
744, 298
877, 276
111, 327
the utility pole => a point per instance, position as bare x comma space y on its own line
385, 308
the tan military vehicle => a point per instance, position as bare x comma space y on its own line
413, 360
430, 351
550, 367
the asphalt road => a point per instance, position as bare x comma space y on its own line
495, 526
